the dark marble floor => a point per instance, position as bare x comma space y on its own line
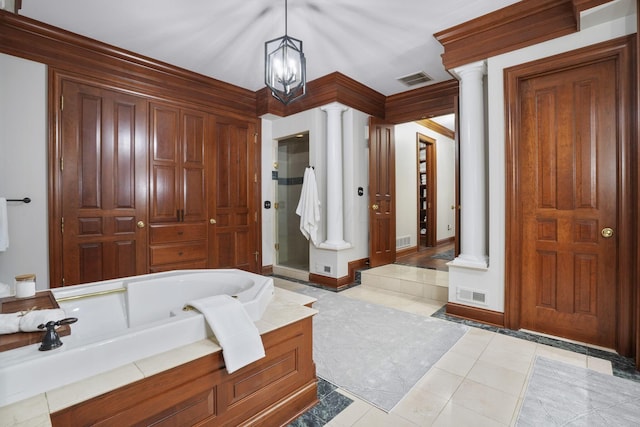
331, 404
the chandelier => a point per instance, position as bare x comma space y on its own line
285, 66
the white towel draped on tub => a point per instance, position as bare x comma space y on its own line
309, 206
235, 331
4, 225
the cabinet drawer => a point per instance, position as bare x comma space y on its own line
176, 253
177, 233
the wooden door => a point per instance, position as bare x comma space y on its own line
177, 183
234, 238
568, 193
103, 172
382, 179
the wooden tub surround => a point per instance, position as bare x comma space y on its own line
190, 385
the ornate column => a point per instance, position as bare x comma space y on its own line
335, 221
473, 192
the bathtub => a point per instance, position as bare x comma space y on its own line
124, 320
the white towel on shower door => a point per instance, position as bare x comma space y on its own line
309, 206
235, 331
4, 225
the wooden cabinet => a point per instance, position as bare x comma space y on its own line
150, 184
178, 215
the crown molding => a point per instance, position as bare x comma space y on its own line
513, 27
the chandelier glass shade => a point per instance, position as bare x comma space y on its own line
285, 67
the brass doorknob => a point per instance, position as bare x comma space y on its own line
140, 224
375, 207
607, 232
212, 221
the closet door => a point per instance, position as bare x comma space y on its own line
178, 189
234, 236
103, 173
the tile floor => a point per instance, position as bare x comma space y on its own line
480, 382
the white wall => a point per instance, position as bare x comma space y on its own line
407, 182
492, 281
355, 174
23, 167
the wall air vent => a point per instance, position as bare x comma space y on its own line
403, 241
472, 296
415, 78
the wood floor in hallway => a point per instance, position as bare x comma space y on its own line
431, 257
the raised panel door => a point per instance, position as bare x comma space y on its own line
567, 165
103, 175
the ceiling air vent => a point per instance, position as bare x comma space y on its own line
415, 78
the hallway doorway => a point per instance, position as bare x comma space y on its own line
292, 248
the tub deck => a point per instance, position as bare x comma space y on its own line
277, 395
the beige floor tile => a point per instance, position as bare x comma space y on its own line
470, 346
378, 418
513, 345
486, 401
456, 363
424, 308
287, 284
500, 356
438, 382
420, 408
599, 365
562, 355
503, 379
454, 415
352, 413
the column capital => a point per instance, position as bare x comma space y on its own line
474, 68
334, 106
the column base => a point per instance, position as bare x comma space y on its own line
470, 261
335, 246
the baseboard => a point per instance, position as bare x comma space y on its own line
406, 251
330, 282
476, 314
267, 270
451, 239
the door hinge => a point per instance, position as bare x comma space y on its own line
61, 164
277, 246
62, 225
276, 205
63, 281
255, 177
255, 216
61, 102
255, 138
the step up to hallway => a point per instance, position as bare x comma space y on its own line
419, 282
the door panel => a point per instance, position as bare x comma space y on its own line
568, 192
235, 234
382, 172
103, 183
165, 164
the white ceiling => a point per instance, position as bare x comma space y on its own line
372, 41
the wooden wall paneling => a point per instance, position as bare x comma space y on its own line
521, 24
425, 102
334, 87
34, 40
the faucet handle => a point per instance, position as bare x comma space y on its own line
51, 339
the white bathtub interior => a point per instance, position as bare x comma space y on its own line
119, 328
